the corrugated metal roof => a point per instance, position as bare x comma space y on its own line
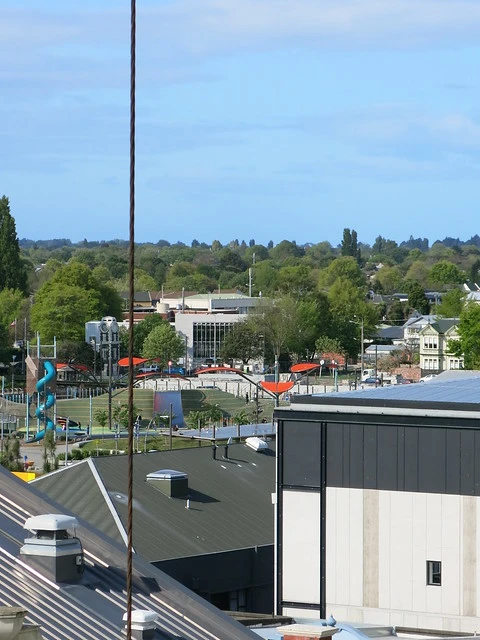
462, 387
230, 500
94, 608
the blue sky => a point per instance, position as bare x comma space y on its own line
263, 119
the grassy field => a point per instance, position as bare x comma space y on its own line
83, 410
140, 445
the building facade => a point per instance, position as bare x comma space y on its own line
434, 351
377, 507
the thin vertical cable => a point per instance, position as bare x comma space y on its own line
130, 321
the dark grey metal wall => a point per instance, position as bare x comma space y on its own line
394, 453
404, 458
220, 573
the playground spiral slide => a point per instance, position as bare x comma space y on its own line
48, 401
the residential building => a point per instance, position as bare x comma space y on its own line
434, 352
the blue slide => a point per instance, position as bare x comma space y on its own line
48, 401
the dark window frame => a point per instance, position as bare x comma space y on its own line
434, 573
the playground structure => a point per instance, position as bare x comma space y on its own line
43, 389
41, 359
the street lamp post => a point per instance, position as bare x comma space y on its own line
13, 372
361, 323
109, 327
93, 342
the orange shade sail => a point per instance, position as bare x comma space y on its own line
301, 367
124, 362
277, 387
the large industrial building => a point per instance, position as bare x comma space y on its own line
377, 505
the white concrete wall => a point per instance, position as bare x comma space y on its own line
378, 543
301, 545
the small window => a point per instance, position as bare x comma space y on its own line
434, 573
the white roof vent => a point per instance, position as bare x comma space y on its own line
255, 443
50, 522
143, 623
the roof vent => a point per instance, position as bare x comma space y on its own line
171, 483
257, 444
51, 549
11, 622
143, 624
299, 631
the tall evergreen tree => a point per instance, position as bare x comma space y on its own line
12, 271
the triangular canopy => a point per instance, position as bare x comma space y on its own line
276, 387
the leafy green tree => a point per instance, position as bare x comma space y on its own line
163, 343
242, 343
348, 306
418, 272
319, 255
445, 272
140, 332
101, 416
346, 268
474, 271
452, 304
313, 317
296, 281
12, 271
265, 277
286, 250
68, 300
214, 413
468, 343
196, 419
230, 260
259, 251
10, 305
390, 279
277, 322
120, 414
325, 344
349, 246
397, 312
416, 296
243, 417
50, 460
10, 456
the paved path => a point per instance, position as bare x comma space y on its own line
34, 452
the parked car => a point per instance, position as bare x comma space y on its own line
430, 376
153, 368
372, 380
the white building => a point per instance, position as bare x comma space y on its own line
378, 506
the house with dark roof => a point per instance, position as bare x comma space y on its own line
206, 521
378, 505
72, 586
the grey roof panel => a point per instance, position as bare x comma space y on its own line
68, 487
94, 608
230, 501
460, 389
